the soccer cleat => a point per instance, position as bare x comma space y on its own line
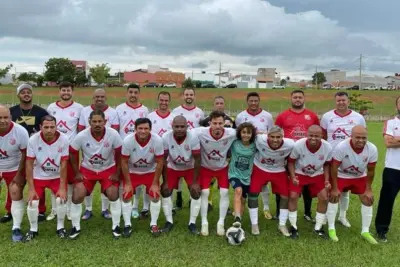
135, 213
321, 233
154, 230
62, 233
52, 215
193, 229
6, 218
255, 230
144, 214
127, 231
294, 233
42, 217
17, 235
267, 215
283, 230
167, 227
179, 200
370, 239
344, 222
332, 235
237, 223
116, 232
309, 218
87, 215
204, 229
382, 237
74, 233
220, 229
106, 214
29, 236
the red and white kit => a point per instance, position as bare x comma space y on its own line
127, 115
110, 114
160, 124
193, 115
262, 120
295, 125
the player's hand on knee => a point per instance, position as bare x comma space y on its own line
62, 194
128, 191
334, 195
154, 191
368, 197
32, 195
165, 189
79, 177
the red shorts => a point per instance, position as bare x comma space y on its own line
174, 176
279, 181
8, 176
41, 185
356, 186
315, 184
206, 176
92, 177
145, 179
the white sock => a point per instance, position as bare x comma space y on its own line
265, 197
105, 203
146, 201
69, 201
253, 216
344, 204
89, 203
194, 209
283, 216
204, 205
115, 208
53, 203
319, 220
121, 191
76, 212
293, 218
155, 208
223, 205
17, 212
61, 207
366, 218
33, 213
136, 197
331, 214
167, 208
126, 212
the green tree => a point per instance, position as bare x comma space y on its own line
360, 105
287, 78
59, 69
187, 83
28, 77
283, 82
318, 77
3, 72
80, 78
197, 84
39, 80
99, 73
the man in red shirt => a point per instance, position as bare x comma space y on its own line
295, 122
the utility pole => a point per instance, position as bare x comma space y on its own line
219, 76
360, 78
316, 76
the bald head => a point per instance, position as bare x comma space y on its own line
359, 136
179, 127
359, 129
179, 119
99, 98
5, 118
315, 129
4, 109
314, 136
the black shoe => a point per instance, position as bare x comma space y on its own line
210, 207
17, 235
62, 233
237, 223
179, 200
294, 233
144, 214
116, 232
382, 237
167, 227
74, 233
29, 236
192, 229
42, 217
321, 233
6, 218
127, 231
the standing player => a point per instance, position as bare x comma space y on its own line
142, 164
263, 121
337, 125
269, 166
28, 116
215, 142
295, 122
67, 113
182, 159
13, 144
391, 174
161, 119
111, 117
101, 149
308, 164
353, 169
128, 113
46, 167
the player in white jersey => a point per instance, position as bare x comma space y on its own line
101, 151
142, 164
353, 169
337, 125
161, 119
13, 144
128, 113
67, 113
182, 159
263, 121
270, 167
215, 142
308, 164
99, 102
46, 167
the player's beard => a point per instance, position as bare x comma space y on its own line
66, 97
294, 106
188, 101
25, 101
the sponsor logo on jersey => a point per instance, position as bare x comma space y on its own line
130, 127
268, 161
307, 117
97, 160
190, 124
3, 154
141, 163
215, 155
353, 170
161, 132
12, 141
62, 127
340, 134
309, 169
179, 160
49, 165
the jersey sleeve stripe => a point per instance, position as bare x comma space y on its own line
125, 156
372, 164
73, 150
159, 156
196, 152
290, 159
30, 158
118, 149
64, 158
23, 150
336, 161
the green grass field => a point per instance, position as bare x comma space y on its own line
95, 246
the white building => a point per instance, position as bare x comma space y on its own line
6, 79
334, 76
366, 80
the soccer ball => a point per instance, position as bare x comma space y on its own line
235, 236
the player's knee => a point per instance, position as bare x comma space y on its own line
238, 191
323, 196
34, 205
165, 192
283, 204
293, 195
112, 193
15, 192
252, 201
365, 201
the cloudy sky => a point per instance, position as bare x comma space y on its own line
186, 35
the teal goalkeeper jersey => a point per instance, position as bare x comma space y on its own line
241, 164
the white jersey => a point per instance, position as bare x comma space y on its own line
193, 115
12, 143
67, 118
214, 151
262, 120
353, 164
142, 156
161, 124
128, 115
392, 159
180, 155
310, 163
47, 156
110, 114
338, 128
97, 154
272, 160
